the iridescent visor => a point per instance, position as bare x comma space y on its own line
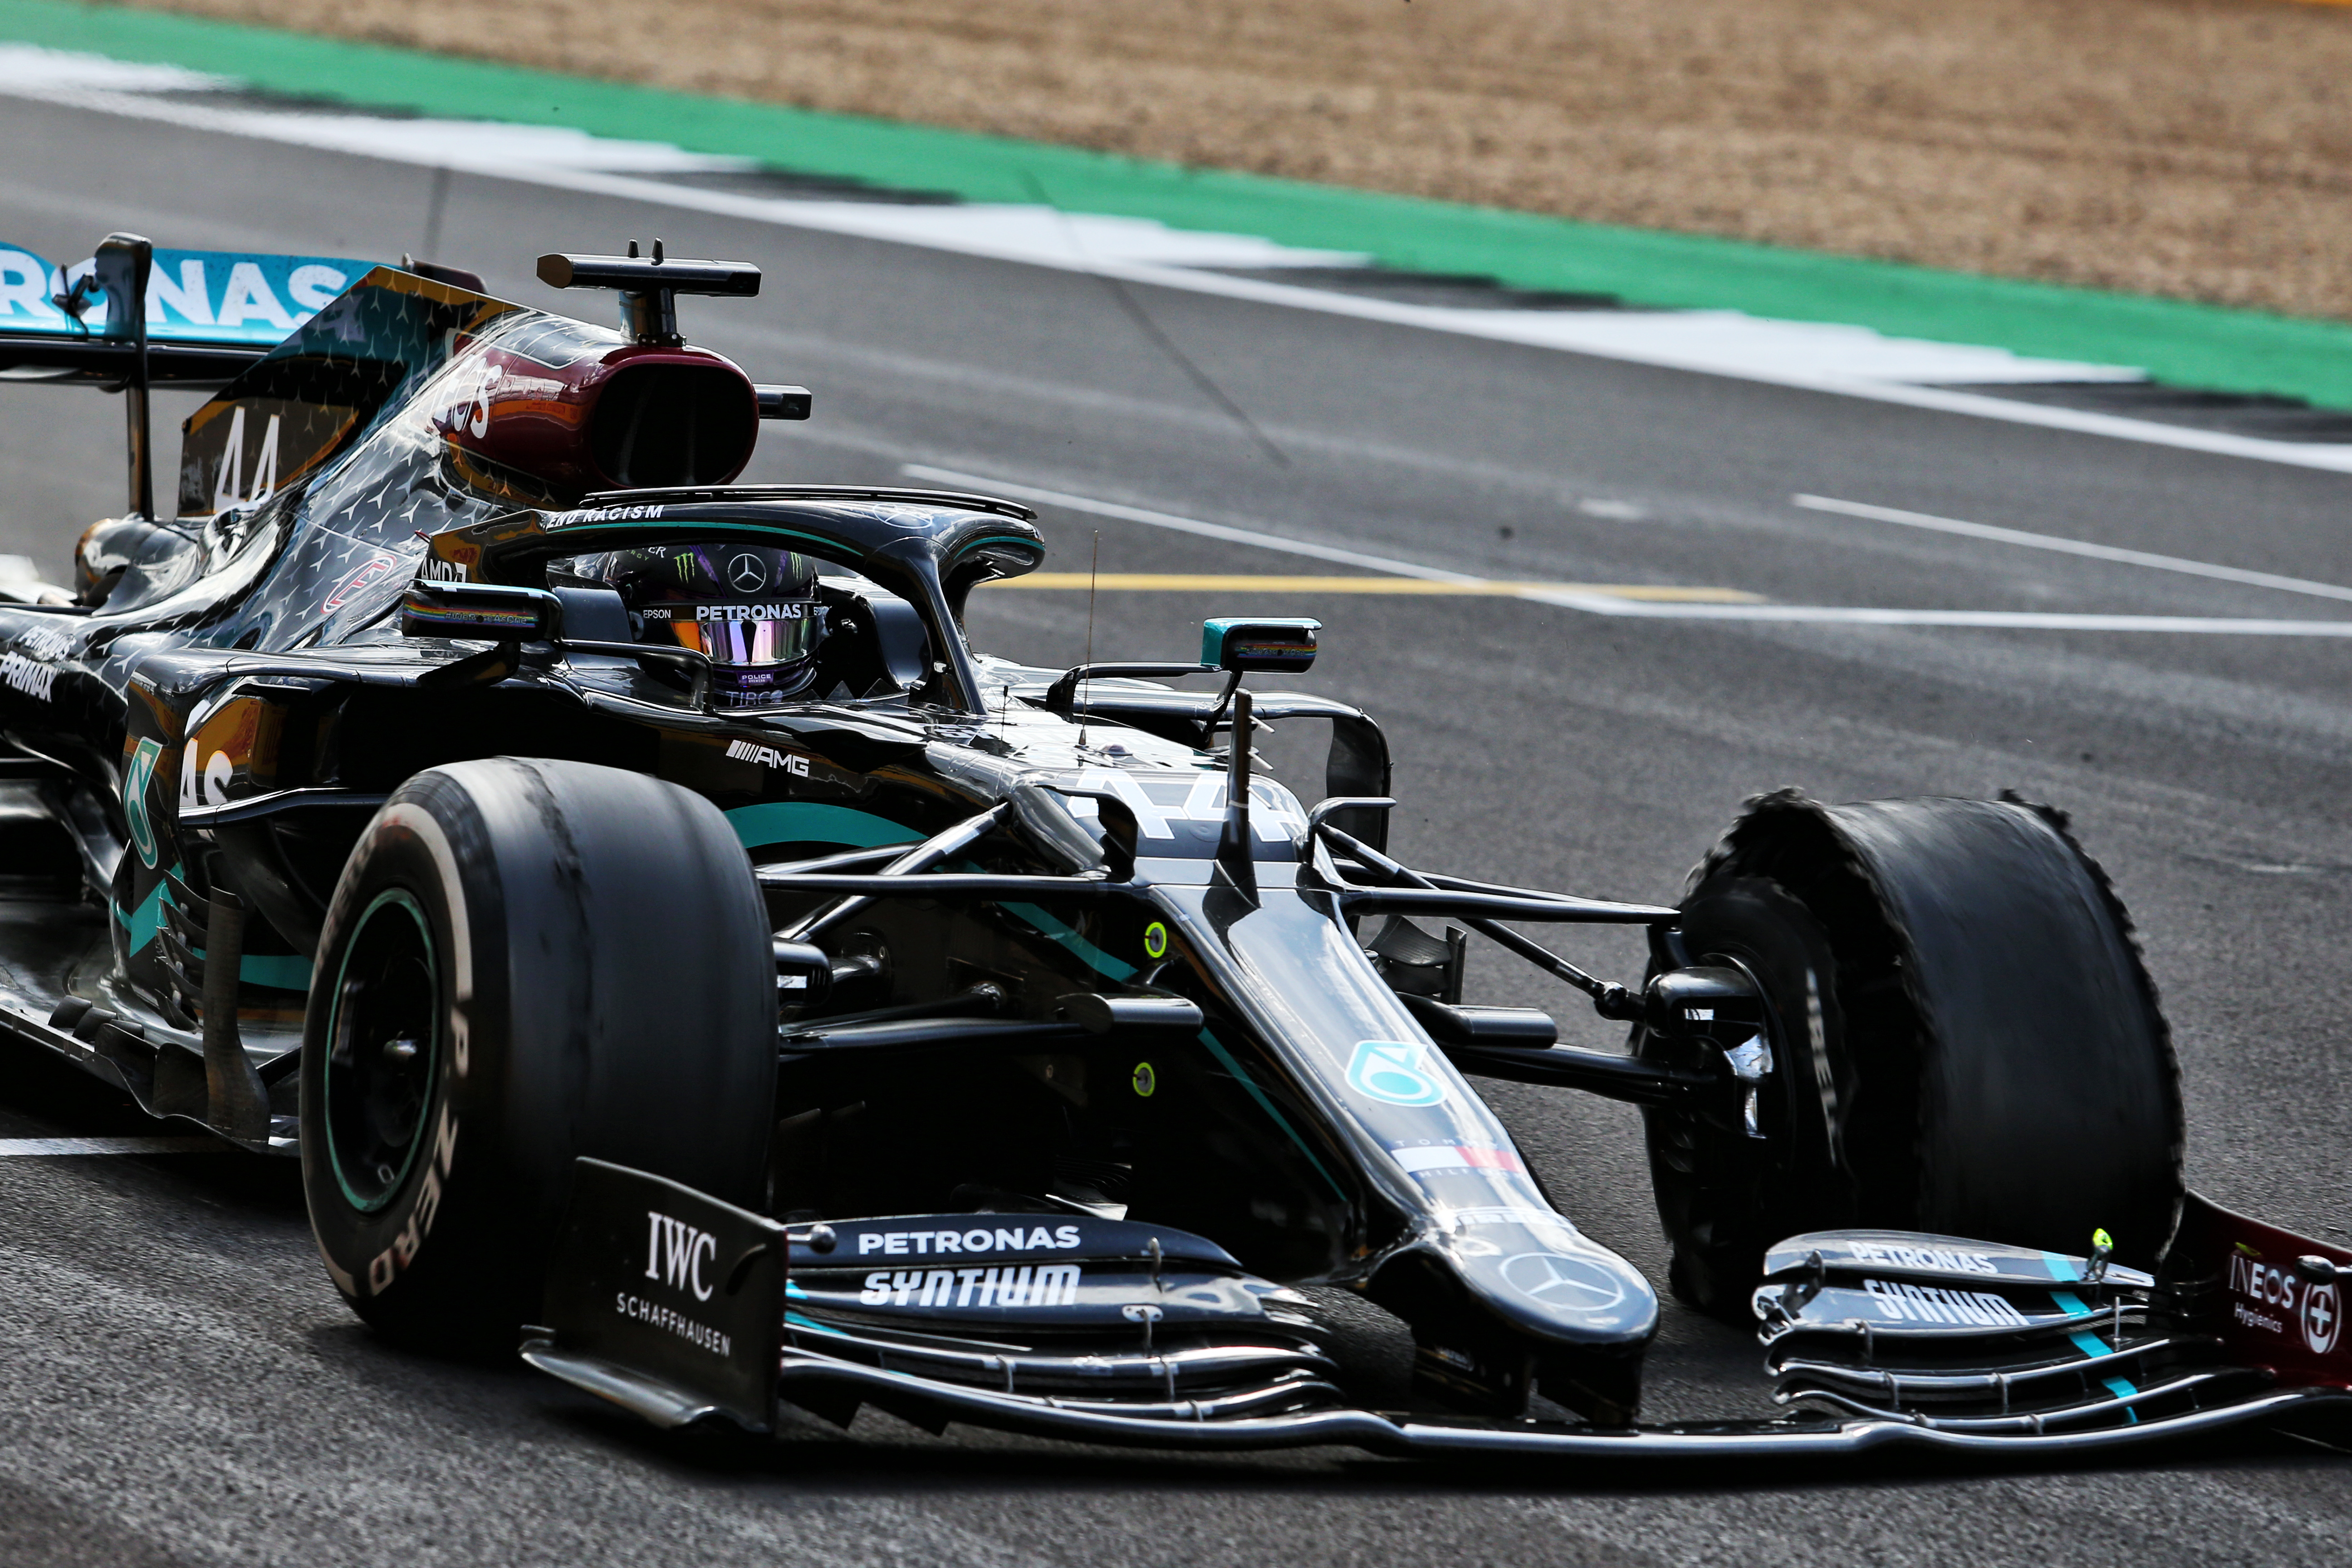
779, 632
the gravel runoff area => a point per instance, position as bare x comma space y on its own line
2195, 148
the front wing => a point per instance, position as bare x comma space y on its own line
680, 1308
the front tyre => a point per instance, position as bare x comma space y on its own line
525, 962
1966, 1042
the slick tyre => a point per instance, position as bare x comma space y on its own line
524, 961
1965, 1041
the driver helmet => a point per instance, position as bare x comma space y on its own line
752, 608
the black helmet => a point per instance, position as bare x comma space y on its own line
752, 608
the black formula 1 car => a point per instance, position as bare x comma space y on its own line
659, 934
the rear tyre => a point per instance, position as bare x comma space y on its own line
525, 962
1965, 1042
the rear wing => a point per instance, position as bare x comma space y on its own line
207, 313
132, 316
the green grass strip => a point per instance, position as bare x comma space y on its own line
2188, 344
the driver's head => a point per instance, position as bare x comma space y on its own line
750, 607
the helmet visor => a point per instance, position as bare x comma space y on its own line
776, 631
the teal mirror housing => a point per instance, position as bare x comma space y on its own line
1259, 643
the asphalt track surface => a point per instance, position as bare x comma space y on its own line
179, 1383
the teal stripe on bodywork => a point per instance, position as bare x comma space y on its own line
701, 526
2073, 1305
142, 920
1104, 964
1267, 1104
1086, 952
811, 822
2088, 1343
280, 971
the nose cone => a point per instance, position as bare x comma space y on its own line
1508, 1301
1503, 1295
1553, 1283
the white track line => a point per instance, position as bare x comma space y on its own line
1192, 525
1601, 334
1609, 605
22, 1148
2024, 620
2074, 547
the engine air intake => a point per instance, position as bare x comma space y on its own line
663, 422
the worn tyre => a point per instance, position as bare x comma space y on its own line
1965, 1041
524, 961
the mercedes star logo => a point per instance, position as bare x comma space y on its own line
746, 573
1562, 1283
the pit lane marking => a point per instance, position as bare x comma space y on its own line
2072, 546
1612, 602
22, 1148
1183, 582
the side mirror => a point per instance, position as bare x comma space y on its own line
1262, 643
487, 611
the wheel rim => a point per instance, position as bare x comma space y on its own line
383, 1036
1726, 1197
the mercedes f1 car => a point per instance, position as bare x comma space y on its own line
661, 936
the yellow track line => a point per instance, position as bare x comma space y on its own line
1180, 581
